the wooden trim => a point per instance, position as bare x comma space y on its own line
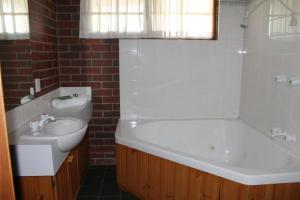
73, 174
215, 20
151, 177
6, 177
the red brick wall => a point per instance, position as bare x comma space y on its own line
43, 37
60, 57
94, 63
16, 70
24, 60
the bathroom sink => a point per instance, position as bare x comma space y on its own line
65, 102
63, 126
83, 110
67, 131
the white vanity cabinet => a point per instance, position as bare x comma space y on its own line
64, 185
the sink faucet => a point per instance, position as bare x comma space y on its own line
37, 125
44, 119
276, 132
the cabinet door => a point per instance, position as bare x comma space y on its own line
73, 174
63, 186
83, 157
62, 183
35, 188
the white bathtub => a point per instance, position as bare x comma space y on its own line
226, 148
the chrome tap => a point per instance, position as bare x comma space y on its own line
276, 132
44, 119
36, 126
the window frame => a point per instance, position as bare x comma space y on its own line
215, 19
14, 35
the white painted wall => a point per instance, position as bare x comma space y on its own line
184, 79
265, 104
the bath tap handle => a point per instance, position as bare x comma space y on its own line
290, 138
294, 82
275, 132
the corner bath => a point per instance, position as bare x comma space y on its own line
228, 150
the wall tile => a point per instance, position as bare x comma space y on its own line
265, 104
183, 78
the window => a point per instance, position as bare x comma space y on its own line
195, 19
284, 19
14, 19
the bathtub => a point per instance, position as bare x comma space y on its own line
225, 148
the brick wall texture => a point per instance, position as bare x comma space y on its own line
61, 58
43, 37
94, 63
24, 60
15, 56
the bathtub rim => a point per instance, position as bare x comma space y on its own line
236, 176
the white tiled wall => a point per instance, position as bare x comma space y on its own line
184, 78
265, 104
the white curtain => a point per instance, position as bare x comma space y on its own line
146, 19
14, 23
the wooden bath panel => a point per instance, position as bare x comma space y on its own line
149, 177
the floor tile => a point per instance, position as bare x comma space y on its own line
87, 198
89, 191
110, 198
101, 184
96, 171
93, 181
110, 190
109, 180
110, 172
127, 196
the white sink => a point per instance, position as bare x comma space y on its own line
82, 112
63, 126
67, 131
70, 102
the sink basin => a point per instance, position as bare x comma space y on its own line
63, 126
70, 102
67, 131
83, 112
